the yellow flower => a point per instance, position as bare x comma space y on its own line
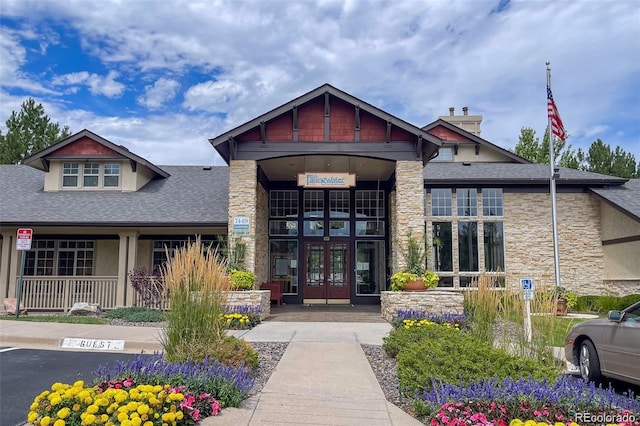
76, 407
89, 420
45, 421
122, 417
179, 415
56, 386
63, 413
147, 424
530, 423
55, 400
516, 422
59, 422
143, 409
558, 424
32, 417
92, 409
168, 417
78, 384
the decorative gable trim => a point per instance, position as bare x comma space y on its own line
448, 132
86, 144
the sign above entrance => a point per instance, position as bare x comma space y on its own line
326, 180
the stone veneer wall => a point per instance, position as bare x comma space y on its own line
243, 189
438, 302
262, 236
529, 240
253, 298
408, 207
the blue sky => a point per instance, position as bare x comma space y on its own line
162, 77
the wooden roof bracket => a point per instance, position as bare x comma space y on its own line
388, 136
477, 149
357, 123
232, 148
45, 164
263, 132
419, 147
327, 113
455, 149
134, 165
295, 123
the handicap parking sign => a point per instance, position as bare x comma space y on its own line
527, 287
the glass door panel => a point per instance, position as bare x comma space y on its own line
370, 267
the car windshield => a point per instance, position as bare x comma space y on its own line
632, 315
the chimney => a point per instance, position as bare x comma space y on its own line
470, 123
452, 111
465, 110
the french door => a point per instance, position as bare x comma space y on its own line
326, 270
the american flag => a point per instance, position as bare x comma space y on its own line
554, 116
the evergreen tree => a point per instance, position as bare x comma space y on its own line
28, 132
601, 159
530, 147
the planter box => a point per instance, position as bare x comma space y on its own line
257, 299
436, 301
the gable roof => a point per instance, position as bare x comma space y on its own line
192, 196
625, 198
220, 142
473, 138
510, 174
40, 160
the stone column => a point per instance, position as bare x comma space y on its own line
409, 207
243, 201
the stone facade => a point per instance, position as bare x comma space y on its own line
243, 194
253, 298
529, 240
407, 208
262, 236
438, 302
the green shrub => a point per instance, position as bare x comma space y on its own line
136, 314
453, 356
587, 304
628, 300
607, 303
235, 352
242, 280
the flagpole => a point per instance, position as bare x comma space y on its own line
552, 189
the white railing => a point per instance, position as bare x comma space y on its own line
60, 293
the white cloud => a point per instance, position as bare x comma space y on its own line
98, 85
413, 59
156, 95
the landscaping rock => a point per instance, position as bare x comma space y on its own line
10, 306
83, 309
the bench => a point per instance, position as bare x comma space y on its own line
276, 291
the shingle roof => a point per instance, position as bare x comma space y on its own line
510, 173
190, 196
626, 198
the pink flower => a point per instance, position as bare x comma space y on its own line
537, 413
196, 414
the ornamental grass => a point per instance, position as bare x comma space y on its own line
195, 286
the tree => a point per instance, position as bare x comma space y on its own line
601, 159
529, 147
28, 132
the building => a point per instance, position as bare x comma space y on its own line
320, 191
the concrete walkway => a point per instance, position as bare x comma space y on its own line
323, 378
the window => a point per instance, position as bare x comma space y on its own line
283, 227
445, 154
370, 267
493, 247
441, 202
442, 246
467, 200
339, 204
492, 202
111, 175
313, 204
370, 204
468, 246
164, 250
70, 175
284, 264
283, 204
91, 174
66, 258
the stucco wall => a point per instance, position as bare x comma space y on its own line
106, 255
616, 224
467, 152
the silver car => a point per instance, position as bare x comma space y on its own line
607, 347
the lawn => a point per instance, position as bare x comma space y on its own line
56, 318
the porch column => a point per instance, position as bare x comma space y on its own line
127, 255
243, 201
6, 261
409, 207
